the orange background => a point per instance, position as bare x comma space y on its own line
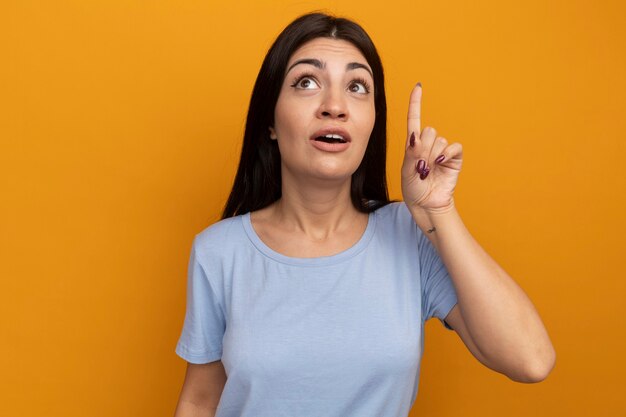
120, 128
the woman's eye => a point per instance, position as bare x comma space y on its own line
363, 89
306, 82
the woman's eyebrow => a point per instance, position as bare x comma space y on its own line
322, 65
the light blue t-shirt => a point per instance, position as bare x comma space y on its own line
333, 336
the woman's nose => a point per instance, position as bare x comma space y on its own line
333, 105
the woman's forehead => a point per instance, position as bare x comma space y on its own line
330, 48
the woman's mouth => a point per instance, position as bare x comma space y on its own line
330, 143
331, 139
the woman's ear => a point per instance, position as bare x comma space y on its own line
272, 133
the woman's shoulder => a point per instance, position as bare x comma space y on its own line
395, 217
393, 211
220, 235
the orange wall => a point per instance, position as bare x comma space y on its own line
120, 127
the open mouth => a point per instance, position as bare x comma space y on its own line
331, 139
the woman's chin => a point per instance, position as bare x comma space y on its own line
333, 175
328, 172
328, 178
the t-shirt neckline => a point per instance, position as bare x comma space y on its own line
317, 261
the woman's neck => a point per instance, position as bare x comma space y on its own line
317, 209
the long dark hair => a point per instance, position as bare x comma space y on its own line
258, 180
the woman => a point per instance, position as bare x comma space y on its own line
309, 297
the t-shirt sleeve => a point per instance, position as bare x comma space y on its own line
201, 337
438, 293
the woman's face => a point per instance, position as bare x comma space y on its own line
328, 88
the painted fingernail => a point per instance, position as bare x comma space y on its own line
440, 159
412, 140
421, 164
424, 173
419, 83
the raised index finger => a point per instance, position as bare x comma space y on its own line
414, 117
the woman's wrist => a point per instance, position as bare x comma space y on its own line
434, 212
428, 220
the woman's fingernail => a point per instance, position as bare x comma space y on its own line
420, 166
412, 140
419, 83
424, 173
440, 159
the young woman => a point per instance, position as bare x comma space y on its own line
309, 297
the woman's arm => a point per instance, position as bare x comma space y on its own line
201, 390
494, 317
